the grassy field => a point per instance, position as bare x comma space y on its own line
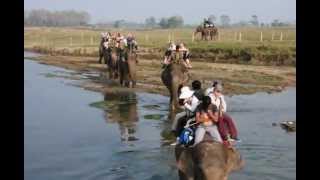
228, 49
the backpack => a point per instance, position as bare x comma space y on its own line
187, 136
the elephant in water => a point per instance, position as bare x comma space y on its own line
208, 160
111, 60
128, 67
174, 76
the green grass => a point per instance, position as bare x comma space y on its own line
72, 41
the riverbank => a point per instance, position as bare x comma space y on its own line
237, 79
253, 49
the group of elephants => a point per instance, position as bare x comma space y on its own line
208, 160
124, 68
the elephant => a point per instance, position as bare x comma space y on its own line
207, 32
174, 76
101, 51
128, 67
207, 160
111, 60
213, 33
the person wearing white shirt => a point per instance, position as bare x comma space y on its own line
210, 89
224, 119
190, 103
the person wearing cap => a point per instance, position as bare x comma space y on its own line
207, 118
190, 103
225, 124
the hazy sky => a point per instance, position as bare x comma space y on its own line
193, 11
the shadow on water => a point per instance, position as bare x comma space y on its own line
121, 108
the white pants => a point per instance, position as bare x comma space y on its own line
212, 130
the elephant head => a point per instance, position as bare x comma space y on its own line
128, 68
207, 160
173, 77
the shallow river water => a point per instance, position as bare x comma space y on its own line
74, 134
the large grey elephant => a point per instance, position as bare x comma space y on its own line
111, 60
208, 160
128, 67
174, 76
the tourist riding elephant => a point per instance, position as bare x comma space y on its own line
174, 76
128, 67
208, 160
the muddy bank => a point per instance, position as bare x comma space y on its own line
237, 79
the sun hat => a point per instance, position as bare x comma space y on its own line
185, 92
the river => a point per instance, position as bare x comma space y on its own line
72, 133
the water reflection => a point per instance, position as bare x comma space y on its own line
122, 109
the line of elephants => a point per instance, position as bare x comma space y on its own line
208, 160
124, 68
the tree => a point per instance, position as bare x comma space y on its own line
254, 20
175, 21
42, 17
225, 20
163, 23
212, 18
151, 22
118, 23
275, 23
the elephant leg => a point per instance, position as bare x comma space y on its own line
127, 83
183, 176
110, 73
121, 79
100, 58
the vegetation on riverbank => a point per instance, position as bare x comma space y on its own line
229, 49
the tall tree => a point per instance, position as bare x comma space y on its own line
118, 23
225, 20
175, 21
163, 23
254, 20
212, 18
151, 22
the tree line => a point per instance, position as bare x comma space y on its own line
225, 21
42, 17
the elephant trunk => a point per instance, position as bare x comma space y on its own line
174, 91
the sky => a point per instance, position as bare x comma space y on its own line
192, 11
